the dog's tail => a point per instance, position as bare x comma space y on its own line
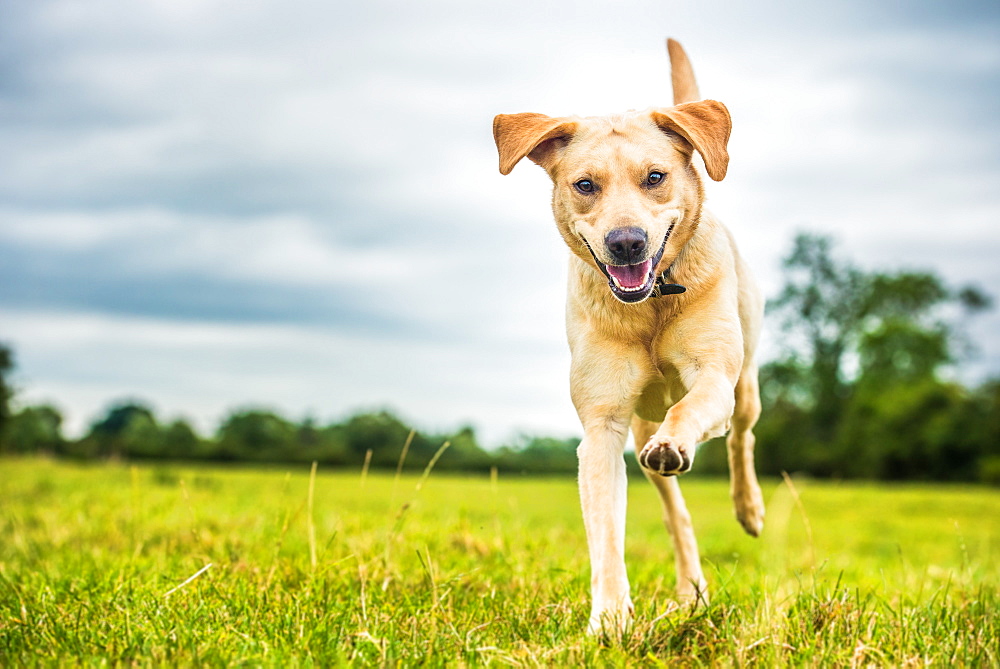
681, 74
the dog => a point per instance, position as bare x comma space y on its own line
662, 317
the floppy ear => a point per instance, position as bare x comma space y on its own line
536, 136
706, 125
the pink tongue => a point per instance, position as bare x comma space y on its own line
630, 276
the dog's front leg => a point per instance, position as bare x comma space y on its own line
700, 415
604, 391
708, 366
602, 497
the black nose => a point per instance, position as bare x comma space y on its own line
626, 245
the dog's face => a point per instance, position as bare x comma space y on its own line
626, 197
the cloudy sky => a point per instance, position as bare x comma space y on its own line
296, 204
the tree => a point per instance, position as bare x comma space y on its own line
321, 444
464, 453
34, 429
128, 429
820, 309
179, 440
6, 391
539, 455
857, 389
982, 427
384, 434
256, 435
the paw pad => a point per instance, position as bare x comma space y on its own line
665, 459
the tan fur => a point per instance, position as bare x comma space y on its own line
678, 369
681, 74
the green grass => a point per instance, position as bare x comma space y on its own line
94, 564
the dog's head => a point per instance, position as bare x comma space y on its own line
626, 197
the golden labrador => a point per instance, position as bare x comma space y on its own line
662, 316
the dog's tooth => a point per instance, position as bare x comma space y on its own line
625, 289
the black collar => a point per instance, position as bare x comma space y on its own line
663, 287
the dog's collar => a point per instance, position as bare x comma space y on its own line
664, 287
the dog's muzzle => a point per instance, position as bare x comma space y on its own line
631, 280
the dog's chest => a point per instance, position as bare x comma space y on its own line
665, 384
659, 394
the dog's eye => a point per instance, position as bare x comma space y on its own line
585, 186
654, 178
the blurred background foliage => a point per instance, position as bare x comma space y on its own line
865, 383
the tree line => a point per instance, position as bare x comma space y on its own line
131, 431
865, 384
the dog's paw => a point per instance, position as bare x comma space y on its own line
665, 456
692, 592
749, 505
611, 621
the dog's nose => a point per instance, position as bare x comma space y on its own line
626, 245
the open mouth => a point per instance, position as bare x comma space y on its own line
632, 283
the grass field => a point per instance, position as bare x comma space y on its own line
96, 566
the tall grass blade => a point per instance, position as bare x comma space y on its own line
310, 520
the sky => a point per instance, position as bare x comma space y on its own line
296, 205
